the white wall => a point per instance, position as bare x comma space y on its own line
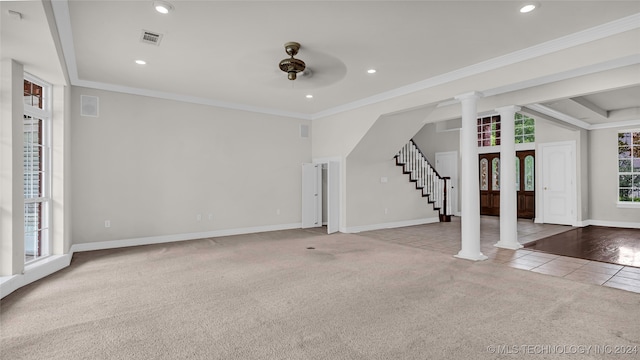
61, 170
373, 158
370, 197
150, 166
603, 174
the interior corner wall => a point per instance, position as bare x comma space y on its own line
583, 175
11, 172
372, 202
150, 166
603, 175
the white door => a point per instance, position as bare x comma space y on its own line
311, 195
558, 183
447, 165
333, 196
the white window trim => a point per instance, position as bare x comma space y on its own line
46, 115
628, 205
623, 204
496, 148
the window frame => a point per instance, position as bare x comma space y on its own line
44, 198
632, 173
520, 124
494, 121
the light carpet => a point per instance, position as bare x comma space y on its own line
266, 296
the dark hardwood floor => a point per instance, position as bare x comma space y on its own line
612, 245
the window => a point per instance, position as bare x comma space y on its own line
629, 166
495, 174
529, 170
36, 166
484, 174
489, 130
525, 129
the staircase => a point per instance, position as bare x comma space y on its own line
427, 180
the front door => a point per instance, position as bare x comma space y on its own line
490, 184
525, 184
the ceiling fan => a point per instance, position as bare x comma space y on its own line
292, 66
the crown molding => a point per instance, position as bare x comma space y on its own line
617, 124
63, 22
579, 123
189, 99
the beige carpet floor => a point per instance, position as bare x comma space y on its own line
266, 296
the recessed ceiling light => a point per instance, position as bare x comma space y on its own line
141, 62
371, 71
162, 7
309, 96
528, 7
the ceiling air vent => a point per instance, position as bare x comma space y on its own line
149, 37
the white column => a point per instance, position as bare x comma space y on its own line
470, 183
508, 194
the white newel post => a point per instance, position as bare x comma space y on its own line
470, 187
508, 192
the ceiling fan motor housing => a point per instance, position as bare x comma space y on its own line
292, 66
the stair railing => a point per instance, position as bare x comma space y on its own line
427, 180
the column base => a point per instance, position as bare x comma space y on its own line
510, 246
474, 257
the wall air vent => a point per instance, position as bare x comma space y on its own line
149, 37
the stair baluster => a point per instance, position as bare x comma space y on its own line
428, 181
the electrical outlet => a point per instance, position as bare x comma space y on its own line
277, 211
107, 223
199, 217
210, 217
386, 211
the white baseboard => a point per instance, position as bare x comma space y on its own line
618, 224
54, 263
33, 272
390, 225
607, 223
114, 244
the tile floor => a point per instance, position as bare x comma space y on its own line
445, 238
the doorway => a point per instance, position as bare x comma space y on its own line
447, 166
525, 184
558, 183
321, 195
